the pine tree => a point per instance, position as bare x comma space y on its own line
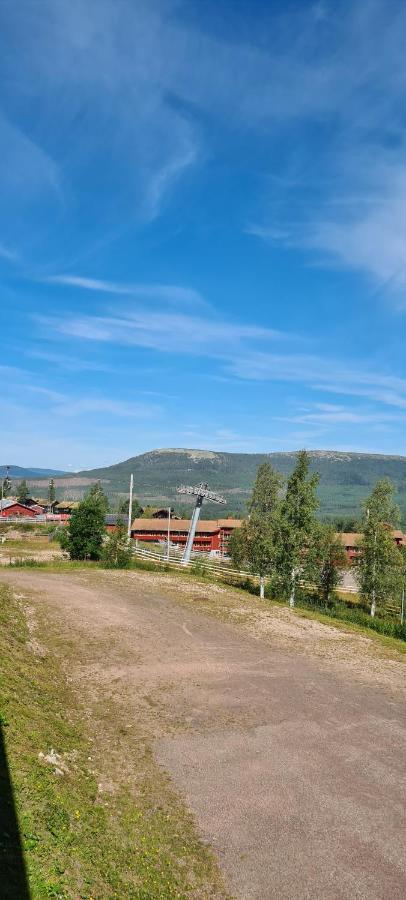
379, 562
124, 506
51, 493
22, 491
297, 525
6, 487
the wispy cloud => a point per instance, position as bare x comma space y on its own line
138, 80
331, 414
168, 332
96, 405
72, 405
322, 374
66, 405
71, 363
234, 346
170, 293
341, 196
8, 254
27, 170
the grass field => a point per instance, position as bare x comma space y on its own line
78, 839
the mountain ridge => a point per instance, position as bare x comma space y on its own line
29, 472
346, 477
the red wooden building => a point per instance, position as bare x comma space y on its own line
13, 508
352, 540
211, 534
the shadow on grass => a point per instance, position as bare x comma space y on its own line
13, 876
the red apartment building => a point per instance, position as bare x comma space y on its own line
213, 535
352, 541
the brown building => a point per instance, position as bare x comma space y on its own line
352, 541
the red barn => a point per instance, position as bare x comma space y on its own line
15, 509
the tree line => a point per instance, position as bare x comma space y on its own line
283, 541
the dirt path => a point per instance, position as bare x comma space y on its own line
286, 737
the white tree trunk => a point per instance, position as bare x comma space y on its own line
293, 590
261, 587
373, 603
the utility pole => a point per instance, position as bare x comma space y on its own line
169, 531
130, 507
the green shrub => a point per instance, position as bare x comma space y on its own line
117, 550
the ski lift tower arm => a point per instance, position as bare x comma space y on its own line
201, 492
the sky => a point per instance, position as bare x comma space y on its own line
202, 227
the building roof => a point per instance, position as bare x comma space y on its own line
114, 519
229, 523
209, 526
7, 502
354, 538
67, 504
350, 538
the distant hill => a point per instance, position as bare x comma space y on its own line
345, 478
21, 472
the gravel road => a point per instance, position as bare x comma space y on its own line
294, 771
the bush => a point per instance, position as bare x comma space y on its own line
117, 550
353, 614
83, 538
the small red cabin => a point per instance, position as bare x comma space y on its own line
16, 509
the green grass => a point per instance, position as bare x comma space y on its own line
26, 545
78, 844
351, 625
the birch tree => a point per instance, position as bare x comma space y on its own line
254, 545
379, 562
297, 524
327, 560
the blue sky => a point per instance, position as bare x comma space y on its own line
202, 227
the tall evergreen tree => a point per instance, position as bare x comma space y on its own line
379, 562
297, 524
124, 505
51, 493
6, 487
22, 491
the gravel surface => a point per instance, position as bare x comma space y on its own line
285, 737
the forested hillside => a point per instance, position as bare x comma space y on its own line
345, 478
